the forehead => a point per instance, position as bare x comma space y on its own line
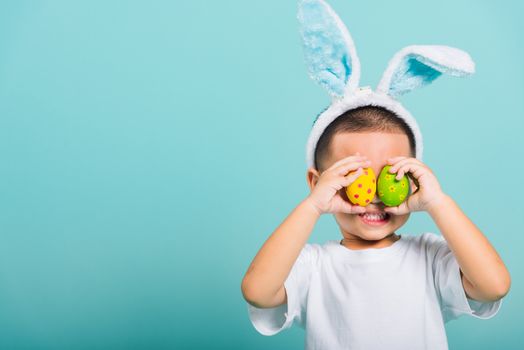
377, 146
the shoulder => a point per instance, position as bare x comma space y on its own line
310, 252
314, 252
427, 243
426, 240
433, 247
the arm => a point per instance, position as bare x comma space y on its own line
484, 275
263, 283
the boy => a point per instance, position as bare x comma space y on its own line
374, 289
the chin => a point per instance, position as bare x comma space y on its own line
371, 230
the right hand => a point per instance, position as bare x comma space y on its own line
325, 195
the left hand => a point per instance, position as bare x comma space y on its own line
428, 192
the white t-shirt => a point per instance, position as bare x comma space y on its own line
398, 297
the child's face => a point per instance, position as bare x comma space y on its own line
377, 147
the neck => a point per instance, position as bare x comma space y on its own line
358, 243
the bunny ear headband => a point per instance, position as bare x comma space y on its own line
332, 62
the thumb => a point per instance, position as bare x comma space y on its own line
398, 210
350, 208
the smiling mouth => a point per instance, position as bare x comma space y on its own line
375, 219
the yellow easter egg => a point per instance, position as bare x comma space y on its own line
362, 190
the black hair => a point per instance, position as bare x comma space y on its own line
361, 119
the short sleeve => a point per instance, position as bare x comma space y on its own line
448, 283
269, 321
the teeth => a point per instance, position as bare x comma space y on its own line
375, 217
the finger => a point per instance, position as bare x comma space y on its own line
414, 173
402, 170
344, 169
413, 169
401, 162
349, 179
398, 210
350, 208
356, 209
395, 159
342, 161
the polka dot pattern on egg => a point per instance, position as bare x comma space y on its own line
362, 190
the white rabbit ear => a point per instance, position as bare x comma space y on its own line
328, 48
418, 65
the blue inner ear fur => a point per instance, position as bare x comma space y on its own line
412, 74
326, 53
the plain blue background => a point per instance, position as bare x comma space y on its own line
149, 148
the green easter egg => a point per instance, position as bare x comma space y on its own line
392, 192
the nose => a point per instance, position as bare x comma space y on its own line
376, 199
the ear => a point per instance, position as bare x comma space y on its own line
418, 65
312, 176
329, 51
